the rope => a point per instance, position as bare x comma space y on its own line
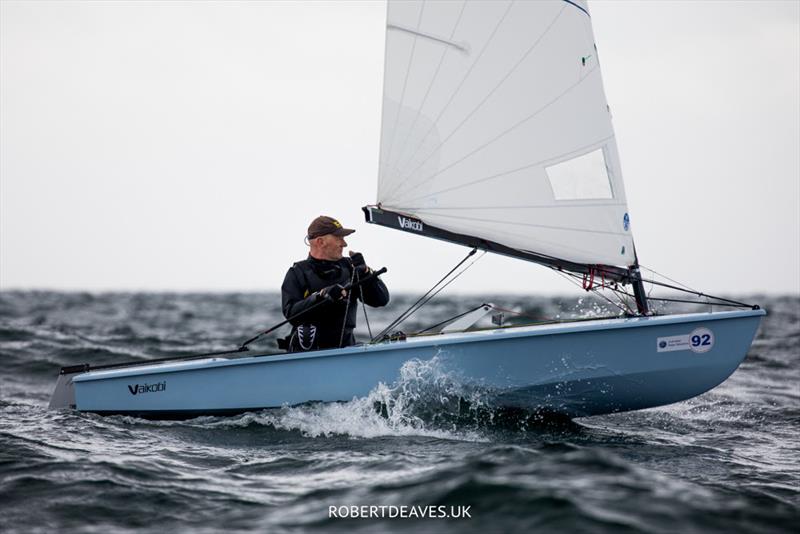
363, 306
347, 306
409, 311
624, 306
424, 299
366, 318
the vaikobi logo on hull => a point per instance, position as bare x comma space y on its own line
135, 389
410, 224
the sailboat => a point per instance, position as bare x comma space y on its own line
496, 135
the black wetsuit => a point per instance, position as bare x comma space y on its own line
321, 328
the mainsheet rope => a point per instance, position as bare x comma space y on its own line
347, 306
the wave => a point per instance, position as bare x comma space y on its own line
426, 400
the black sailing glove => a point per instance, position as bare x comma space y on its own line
333, 293
358, 263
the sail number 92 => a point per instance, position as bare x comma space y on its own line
701, 340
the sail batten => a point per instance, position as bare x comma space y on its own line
458, 46
481, 103
496, 126
456, 88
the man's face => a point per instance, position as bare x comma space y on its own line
331, 247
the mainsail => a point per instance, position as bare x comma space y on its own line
496, 129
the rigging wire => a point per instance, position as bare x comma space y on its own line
403, 315
667, 277
424, 299
621, 292
421, 304
719, 301
459, 316
451, 280
571, 277
664, 299
699, 294
708, 301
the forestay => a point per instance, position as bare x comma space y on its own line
495, 125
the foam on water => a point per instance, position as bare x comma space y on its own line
424, 401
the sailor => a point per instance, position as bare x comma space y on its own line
320, 281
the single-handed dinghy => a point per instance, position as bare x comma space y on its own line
496, 135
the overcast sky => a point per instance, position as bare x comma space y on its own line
187, 145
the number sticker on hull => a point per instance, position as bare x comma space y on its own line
699, 340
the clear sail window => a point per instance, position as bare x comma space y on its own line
581, 178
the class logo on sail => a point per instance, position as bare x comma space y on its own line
409, 224
136, 389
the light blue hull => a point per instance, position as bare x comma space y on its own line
577, 369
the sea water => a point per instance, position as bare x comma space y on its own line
727, 461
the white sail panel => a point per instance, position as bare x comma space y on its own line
481, 98
581, 178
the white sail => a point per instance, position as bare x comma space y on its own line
496, 126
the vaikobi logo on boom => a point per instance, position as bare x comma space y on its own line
410, 224
135, 389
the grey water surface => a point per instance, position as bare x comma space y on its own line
727, 461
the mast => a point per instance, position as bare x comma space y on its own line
638, 290
638, 286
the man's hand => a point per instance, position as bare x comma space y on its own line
357, 259
333, 293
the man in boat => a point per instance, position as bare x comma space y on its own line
319, 281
